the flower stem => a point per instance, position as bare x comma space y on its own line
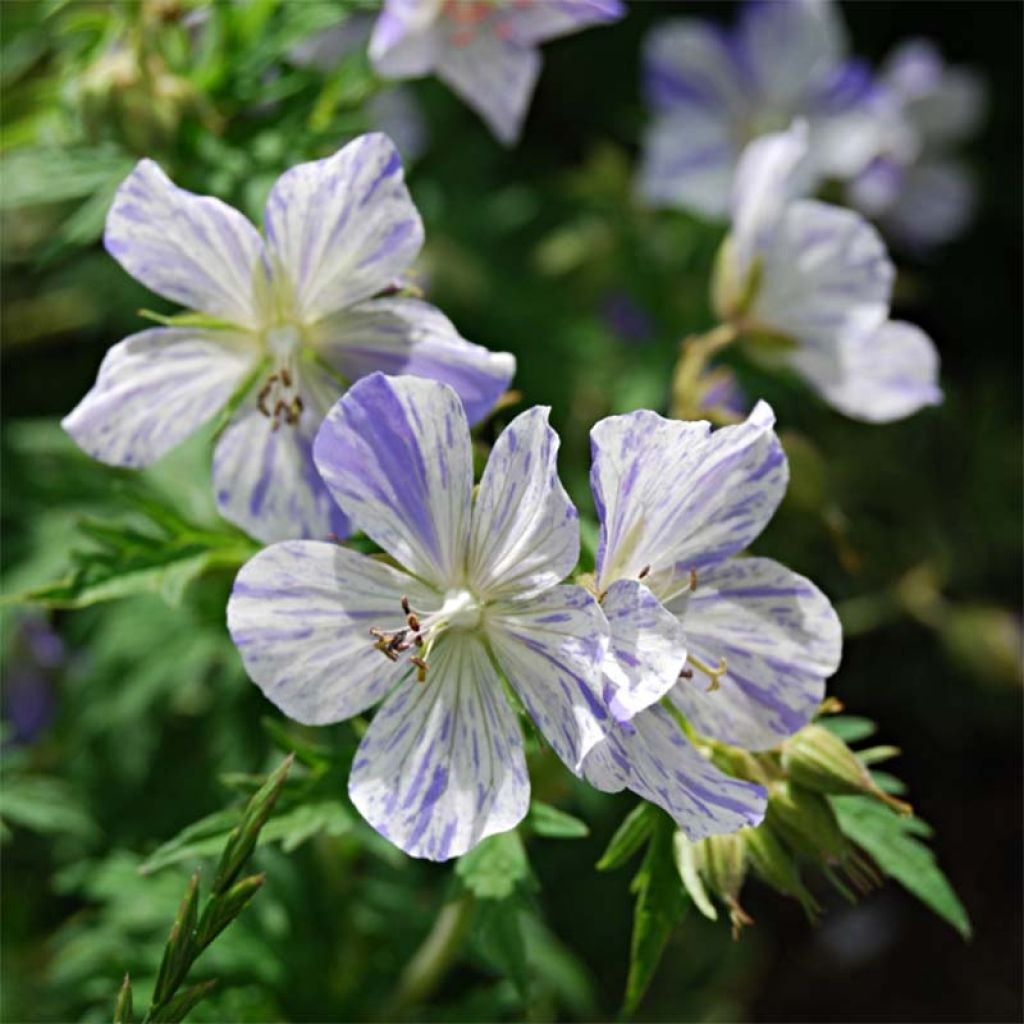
433, 959
694, 354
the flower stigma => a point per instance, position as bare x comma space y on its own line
279, 398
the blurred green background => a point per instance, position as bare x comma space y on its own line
120, 719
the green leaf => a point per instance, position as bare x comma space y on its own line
123, 1006
549, 821
849, 728
180, 950
44, 805
660, 905
629, 836
500, 936
891, 840
496, 868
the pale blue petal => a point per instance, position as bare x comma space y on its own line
652, 757
646, 652
781, 639
442, 766
157, 387
395, 453
535, 23
192, 249
407, 336
935, 204
406, 39
265, 479
525, 536
673, 497
300, 615
551, 649
493, 76
342, 229
883, 376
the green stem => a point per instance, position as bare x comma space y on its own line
433, 959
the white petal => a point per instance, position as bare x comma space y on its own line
395, 453
495, 77
342, 229
551, 649
406, 40
672, 497
398, 336
646, 652
155, 388
441, 766
781, 639
193, 249
652, 757
883, 376
827, 272
300, 615
936, 202
525, 536
265, 478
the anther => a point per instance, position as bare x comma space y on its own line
686, 673
643, 572
406, 607
286, 377
693, 579
414, 623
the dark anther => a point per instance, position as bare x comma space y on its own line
286, 378
414, 623
406, 607
687, 673
643, 572
693, 579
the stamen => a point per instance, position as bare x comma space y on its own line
686, 673
406, 607
714, 674
693, 579
643, 572
421, 669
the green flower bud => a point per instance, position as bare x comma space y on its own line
774, 865
819, 760
806, 821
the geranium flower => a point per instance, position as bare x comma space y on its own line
486, 51
813, 282
473, 590
286, 322
712, 92
917, 188
740, 646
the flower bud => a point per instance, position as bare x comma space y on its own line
773, 864
806, 821
819, 760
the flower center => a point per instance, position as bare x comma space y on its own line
468, 19
460, 611
279, 399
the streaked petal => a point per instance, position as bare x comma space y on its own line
155, 388
827, 272
494, 77
395, 453
781, 640
341, 229
300, 615
265, 478
525, 536
652, 757
192, 249
398, 336
405, 41
673, 497
646, 651
531, 24
883, 376
551, 649
441, 766
790, 47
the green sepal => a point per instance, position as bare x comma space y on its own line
123, 1006
629, 837
178, 1008
179, 951
222, 910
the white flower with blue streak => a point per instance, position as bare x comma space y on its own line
740, 646
918, 189
474, 591
486, 51
713, 91
816, 281
286, 321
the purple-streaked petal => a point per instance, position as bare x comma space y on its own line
525, 536
770, 174
646, 650
395, 453
342, 229
406, 336
192, 249
652, 757
406, 39
935, 204
551, 649
300, 615
265, 479
495, 77
530, 24
781, 639
883, 376
157, 387
790, 48
441, 766
673, 497
826, 273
